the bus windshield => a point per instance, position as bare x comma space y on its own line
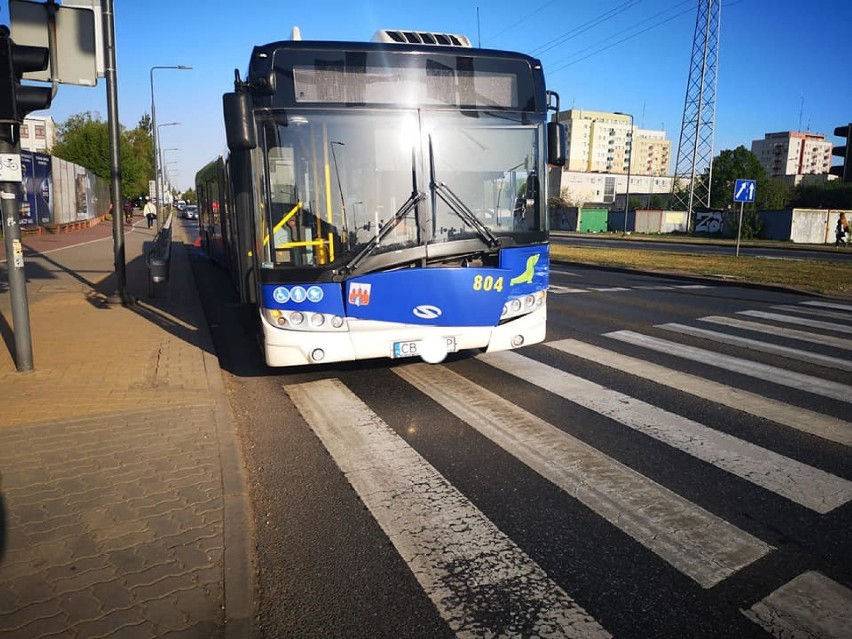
339, 183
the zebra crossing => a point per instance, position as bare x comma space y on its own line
469, 568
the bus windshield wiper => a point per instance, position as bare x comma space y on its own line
413, 200
457, 206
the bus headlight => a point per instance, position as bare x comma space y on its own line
522, 305
304, 321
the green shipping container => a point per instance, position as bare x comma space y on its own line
593, 220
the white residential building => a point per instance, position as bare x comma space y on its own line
790, 155
581, 188
38, 133
600, 142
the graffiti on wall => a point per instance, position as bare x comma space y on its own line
710, 222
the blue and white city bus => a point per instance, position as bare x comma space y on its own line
386, 198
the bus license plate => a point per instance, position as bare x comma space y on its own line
412, 348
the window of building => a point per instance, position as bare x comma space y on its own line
25, 131
39, 132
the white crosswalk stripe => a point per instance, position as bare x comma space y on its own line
780, 331
801, 419
842, 307
468, 567
801, 321
756, 345
811, 605
792, 379
798, 482
556, 289
696, 542
813, 311
461, 559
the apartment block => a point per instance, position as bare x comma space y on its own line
790, 155
603, 142
38, 133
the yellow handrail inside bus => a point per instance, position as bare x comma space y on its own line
289, 245
283, 221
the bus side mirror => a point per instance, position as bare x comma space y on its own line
239, 121
556, 143
531, 191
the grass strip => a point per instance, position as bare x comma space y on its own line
813, 276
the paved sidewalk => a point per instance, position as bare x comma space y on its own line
124, 507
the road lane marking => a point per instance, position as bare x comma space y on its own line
696, 542
811, 605
562, 290
805, 485
780, 331
763, 347
472, 572
792, 379
801, 419
801, 321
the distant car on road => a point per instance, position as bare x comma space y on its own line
191, 212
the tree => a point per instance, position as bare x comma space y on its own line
189, 196
772, 194
831, 195
730, 166
84, 139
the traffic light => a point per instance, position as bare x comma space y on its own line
16, 99
843, 171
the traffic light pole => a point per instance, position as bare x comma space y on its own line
10, 144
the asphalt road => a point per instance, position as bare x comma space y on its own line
612, 481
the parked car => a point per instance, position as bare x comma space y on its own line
191, 212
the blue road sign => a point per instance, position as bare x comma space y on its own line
744, 191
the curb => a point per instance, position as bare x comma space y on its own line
239, 586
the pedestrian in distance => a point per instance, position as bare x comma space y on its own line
128, 210
150, 212
841, 230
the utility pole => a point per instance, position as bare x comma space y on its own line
120, 296
16, 101
10, 156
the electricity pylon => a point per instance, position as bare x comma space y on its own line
694, 165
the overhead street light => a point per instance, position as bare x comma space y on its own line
165, 168
154, 133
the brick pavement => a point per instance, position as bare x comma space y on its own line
124, 507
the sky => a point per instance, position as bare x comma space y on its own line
780, 61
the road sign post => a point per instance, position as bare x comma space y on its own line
744, 191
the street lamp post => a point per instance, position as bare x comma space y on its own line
159, 170
164, 166
154, 132
629, 162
